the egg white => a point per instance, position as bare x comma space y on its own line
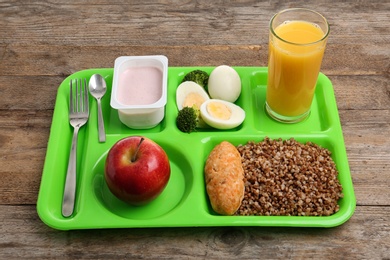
236, 118
186, 88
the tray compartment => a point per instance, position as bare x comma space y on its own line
179, 187
318, 120
320, 140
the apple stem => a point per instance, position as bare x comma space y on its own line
134, 157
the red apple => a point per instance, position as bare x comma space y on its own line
137, 170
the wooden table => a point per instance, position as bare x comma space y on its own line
42, 42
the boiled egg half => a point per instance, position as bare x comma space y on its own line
190, 94
221, 114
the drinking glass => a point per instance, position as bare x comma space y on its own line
297, 41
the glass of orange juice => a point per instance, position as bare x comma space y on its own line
297, 41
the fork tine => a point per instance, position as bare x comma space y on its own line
81, 96
86, 97
79, 93
75, 94
71, 97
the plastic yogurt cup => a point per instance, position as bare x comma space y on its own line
139, 90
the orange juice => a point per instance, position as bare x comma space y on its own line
296, 49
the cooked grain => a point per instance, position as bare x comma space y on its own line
285, 177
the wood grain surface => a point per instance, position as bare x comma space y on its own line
42, 42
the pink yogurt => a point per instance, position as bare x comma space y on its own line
140, 86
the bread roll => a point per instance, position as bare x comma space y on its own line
224, 178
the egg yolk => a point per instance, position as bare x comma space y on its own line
193, 100
219, 111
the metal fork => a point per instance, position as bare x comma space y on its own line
78, 116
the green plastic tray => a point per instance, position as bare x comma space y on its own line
184, 202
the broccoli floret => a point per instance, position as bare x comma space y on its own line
198, 76
187, 119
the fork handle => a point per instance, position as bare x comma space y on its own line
70, 183
102, 133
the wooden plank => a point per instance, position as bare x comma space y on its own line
23, 139
56, 60
366, 135
364, 236
31, 93
187, 23
361, 92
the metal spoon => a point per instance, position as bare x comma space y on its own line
97, 88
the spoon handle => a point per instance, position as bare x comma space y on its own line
102, 133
